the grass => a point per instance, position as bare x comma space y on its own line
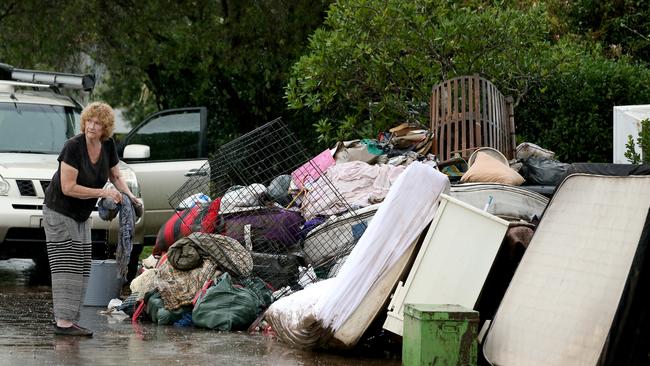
146, 251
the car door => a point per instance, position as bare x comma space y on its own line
176, 140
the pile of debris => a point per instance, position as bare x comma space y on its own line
314, 250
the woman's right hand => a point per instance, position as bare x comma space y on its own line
113, 194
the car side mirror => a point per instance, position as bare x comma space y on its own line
136, 151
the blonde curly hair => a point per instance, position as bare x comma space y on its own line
104, 114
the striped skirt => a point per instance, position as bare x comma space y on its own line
69, 253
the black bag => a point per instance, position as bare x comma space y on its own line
543, 172
278, 270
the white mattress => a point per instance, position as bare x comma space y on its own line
561, 302
507, 201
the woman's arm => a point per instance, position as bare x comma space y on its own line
70, 187
116, 178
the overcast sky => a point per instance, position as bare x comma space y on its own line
120, 123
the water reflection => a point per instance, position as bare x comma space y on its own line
14, 272
66, 350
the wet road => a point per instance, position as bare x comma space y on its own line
26, 336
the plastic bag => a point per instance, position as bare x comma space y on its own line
158, 313
544, 172
527, 150
224, 307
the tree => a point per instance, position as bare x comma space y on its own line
571, 111
621, 26
231, 56
40, 35
374, 62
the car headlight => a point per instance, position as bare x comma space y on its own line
129, 177
4, 187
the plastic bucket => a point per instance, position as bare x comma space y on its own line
103, 284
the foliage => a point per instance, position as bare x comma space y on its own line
35, 35
571, 111
643, 141
231, 56
630, 152
370, 66
374, 62
622, 26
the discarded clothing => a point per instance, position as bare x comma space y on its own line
185, 321
271, 230
177, 288
184, 255
198, 218
358, 183
278, 190
311, 225
159, 313
313, 169
226, 252
240, 198
108, 209
144, 282
125, 238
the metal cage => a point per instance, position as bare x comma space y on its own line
265, 191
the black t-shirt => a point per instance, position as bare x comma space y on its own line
75, 154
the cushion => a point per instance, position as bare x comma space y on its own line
487, 169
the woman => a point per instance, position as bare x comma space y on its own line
86, 162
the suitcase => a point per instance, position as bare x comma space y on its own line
267, 230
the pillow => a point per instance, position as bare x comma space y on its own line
487, 169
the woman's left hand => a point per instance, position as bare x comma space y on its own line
135, 201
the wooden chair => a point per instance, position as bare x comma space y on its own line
468, 112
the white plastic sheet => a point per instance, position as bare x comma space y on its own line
293, 318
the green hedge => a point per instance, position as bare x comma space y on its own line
570, 112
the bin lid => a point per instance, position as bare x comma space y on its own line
450, 312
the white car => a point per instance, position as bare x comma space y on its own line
35, 121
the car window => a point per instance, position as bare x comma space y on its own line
170, 136
36, 128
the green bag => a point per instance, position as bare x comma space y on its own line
158, 313
224, 307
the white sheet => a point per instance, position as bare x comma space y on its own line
409, 206
360, 184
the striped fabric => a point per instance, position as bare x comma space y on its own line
69, 252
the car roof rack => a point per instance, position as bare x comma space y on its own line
54, 79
